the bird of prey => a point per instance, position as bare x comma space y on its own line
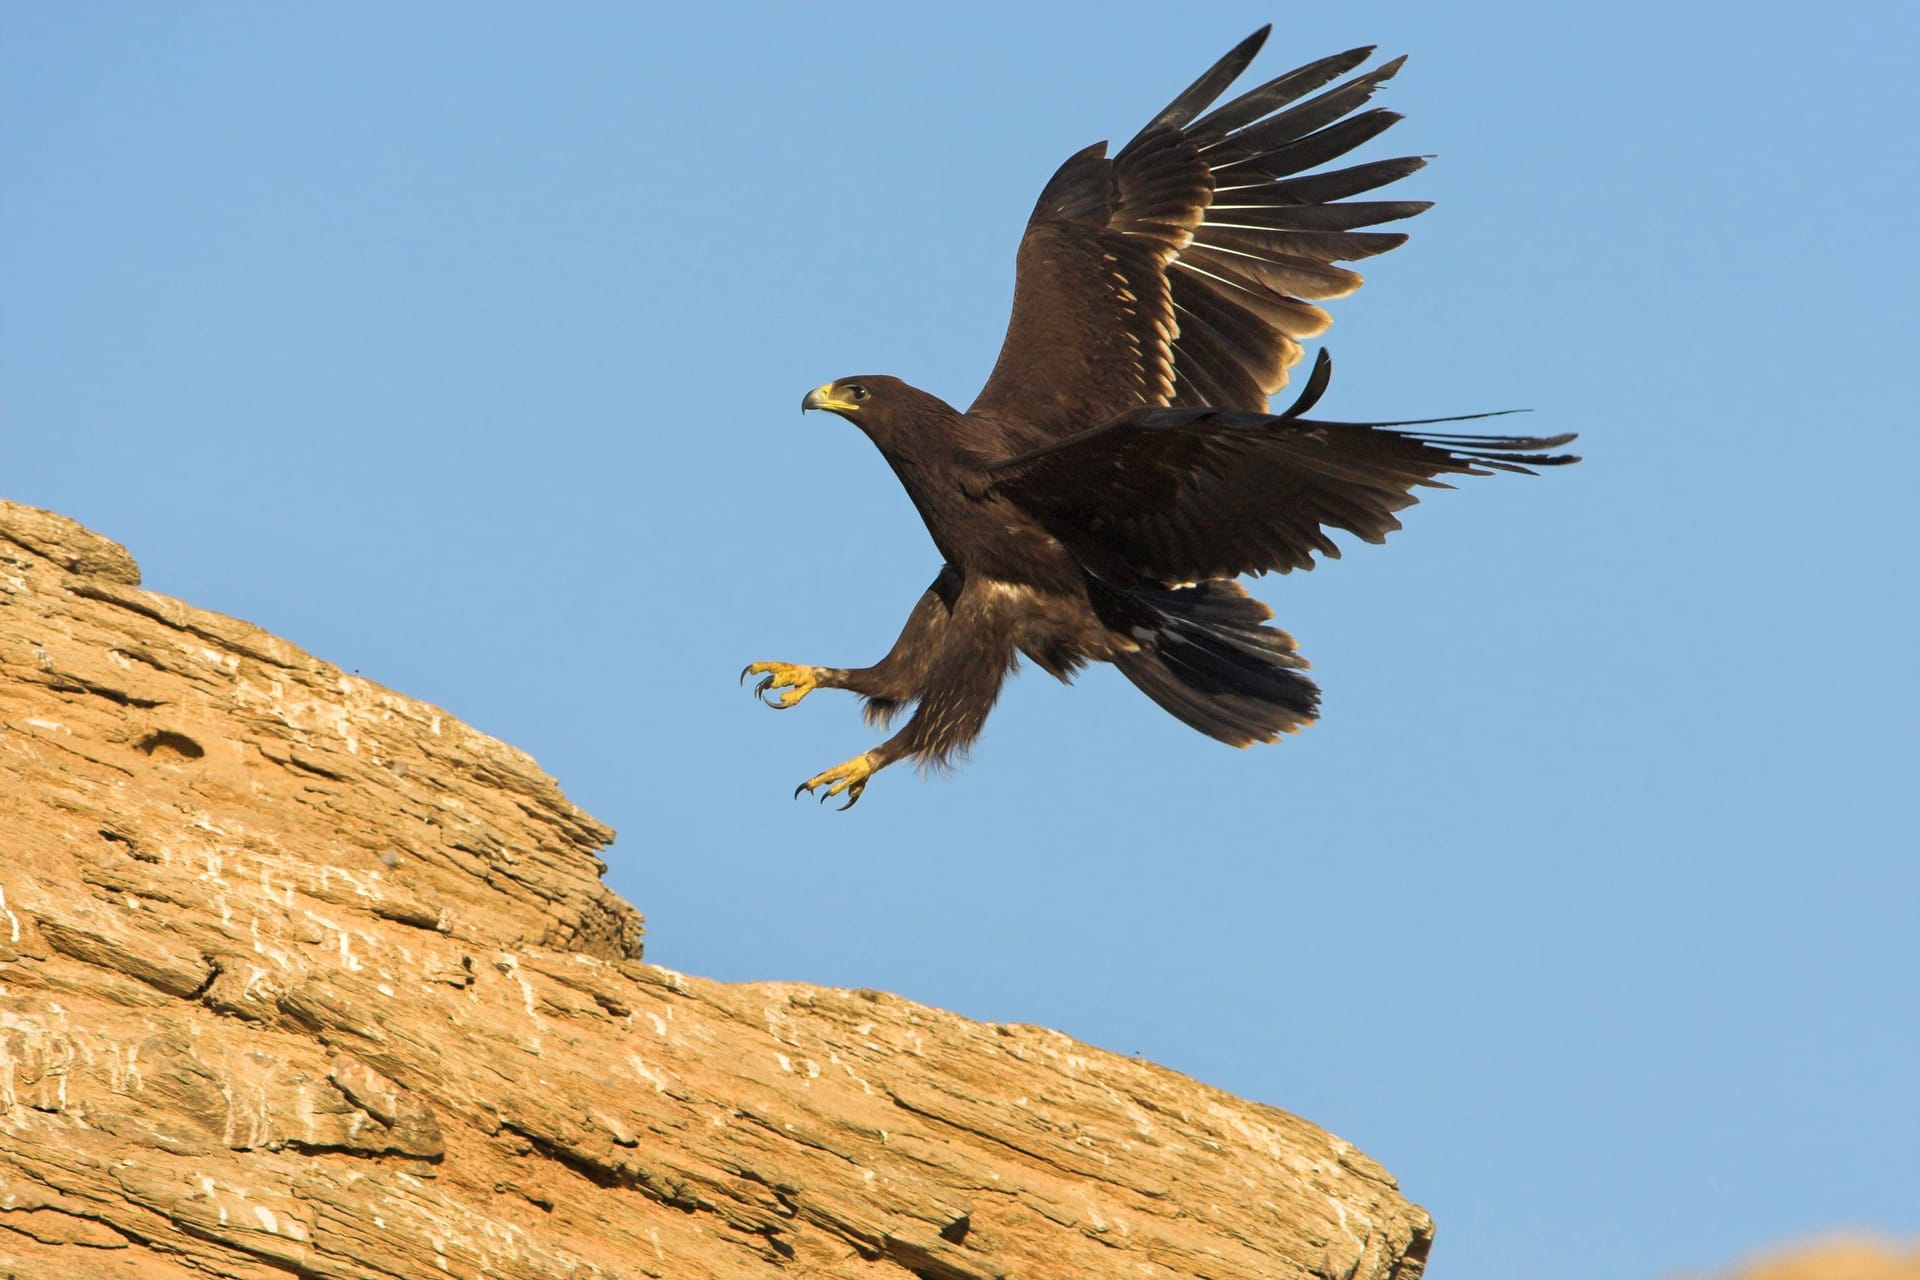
1120, 468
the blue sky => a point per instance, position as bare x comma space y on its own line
462, 345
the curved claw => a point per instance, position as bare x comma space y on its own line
796, 680
849, 778
785, 702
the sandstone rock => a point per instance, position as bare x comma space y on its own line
301, 976
1836, 1259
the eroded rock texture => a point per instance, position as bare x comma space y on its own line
299, 976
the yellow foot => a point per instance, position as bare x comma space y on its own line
797, 682
850, 777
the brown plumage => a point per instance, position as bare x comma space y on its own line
1120, 467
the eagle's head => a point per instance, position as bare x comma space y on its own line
887, 409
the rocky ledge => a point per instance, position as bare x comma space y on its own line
299, 976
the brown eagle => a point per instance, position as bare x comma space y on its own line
1120, 468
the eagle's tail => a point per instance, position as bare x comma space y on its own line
1208, 660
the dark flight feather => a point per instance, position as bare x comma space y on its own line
1294, 123
1273, 95
1197, 96
1181, 494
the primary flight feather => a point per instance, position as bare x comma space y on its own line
1120, 467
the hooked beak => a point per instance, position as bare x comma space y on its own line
823, 397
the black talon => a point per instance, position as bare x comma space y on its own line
745, 672
797, 790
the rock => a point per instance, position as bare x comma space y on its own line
298, 975
1840, 1258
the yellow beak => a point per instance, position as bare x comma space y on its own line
823, 397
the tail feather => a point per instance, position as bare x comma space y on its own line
1212, 664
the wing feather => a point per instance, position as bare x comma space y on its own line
1199, 95
1286, 215
1334, 184
1288, 277
1297, 122
1274, 94
1177, 494
1183, 270
1315, 148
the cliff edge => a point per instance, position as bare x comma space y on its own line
299, 976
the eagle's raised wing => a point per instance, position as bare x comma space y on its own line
1183, 271
1171, 495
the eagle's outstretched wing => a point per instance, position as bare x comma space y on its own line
1183, 271
1171, 495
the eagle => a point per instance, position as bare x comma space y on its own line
1121, 468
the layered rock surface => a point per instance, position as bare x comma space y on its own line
299, 976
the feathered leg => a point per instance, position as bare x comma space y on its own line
896, 679
961, 685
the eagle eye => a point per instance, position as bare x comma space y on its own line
856, 391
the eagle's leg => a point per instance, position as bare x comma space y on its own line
962, 682
895, 679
